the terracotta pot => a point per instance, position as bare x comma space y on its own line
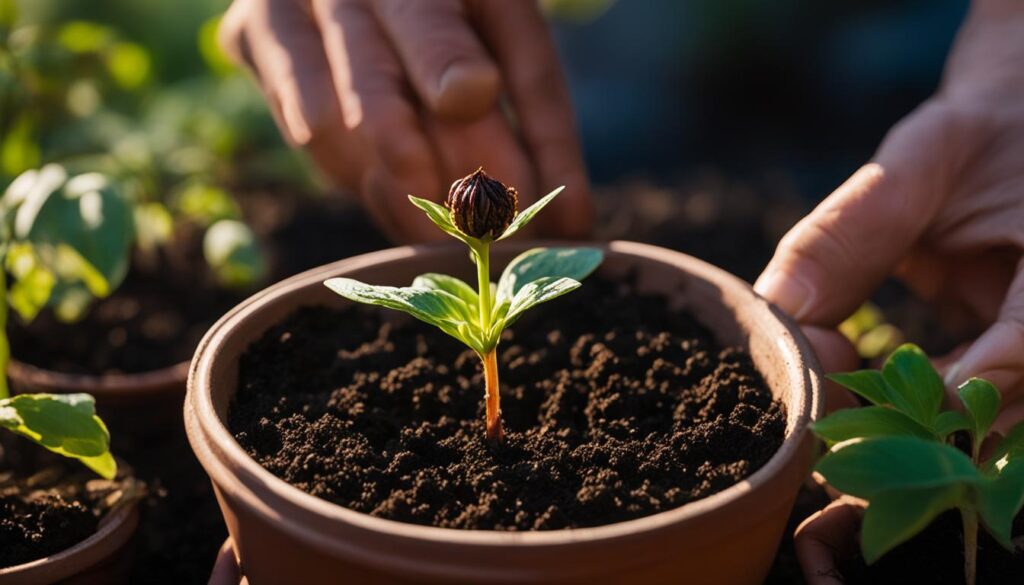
102, 559
827, 537
143, 404
282, 534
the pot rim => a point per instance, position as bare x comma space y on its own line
139, 383
114, 532
231, 467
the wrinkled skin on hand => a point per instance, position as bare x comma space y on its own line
941, 207
397, 97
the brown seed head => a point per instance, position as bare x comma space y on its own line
481, 206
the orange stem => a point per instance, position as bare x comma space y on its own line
495, 430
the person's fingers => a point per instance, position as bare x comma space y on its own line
453, 75
488, 143
525, 52
996, 356
376, 106
829, 263
835, 354
825, 539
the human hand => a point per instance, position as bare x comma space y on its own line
397, 97
941, 206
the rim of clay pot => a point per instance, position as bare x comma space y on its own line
233, 470
114, 532
139, 384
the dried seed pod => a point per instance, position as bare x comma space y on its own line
481, 206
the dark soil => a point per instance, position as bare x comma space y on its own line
615, 406
936, 557
158, 315
48, 504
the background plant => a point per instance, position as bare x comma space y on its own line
897, 455
65, 237
477, 317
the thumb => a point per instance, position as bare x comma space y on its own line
832, 260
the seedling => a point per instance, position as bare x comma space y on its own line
59, 235
896, 454
481, 210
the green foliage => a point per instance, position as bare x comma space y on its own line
63, 423
896, 455
59, 232
535, 276
231, 250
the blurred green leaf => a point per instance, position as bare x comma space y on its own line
19, 150
1000, 499
128, 64
206, 203
210, 49
1011, 447
232, 251
82, 36
32, 282
153, 225
63, 423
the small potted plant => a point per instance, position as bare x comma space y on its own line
912, 468
648, 427
58, 524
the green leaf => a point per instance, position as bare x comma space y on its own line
234, 254
867, 422
439, 215
539, 291
950, 421
207, 203
436, 307
449, 284
868, 467
867, 384
1000, 499
32, 282
128, 64
531, 265
1009, 449
524, 216
893, 517
981, 402
153, 225
86, 213
63, 423
918, 389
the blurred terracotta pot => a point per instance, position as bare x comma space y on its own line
143, 404
102, 559
282, 534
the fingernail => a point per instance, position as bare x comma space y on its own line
467, 89
789, 293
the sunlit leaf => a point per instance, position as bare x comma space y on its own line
439, 215
981, 402
918, 389
1011, 447
574, 263
539, 291
210, 49
63, 423
999, 499
128, 64
19, 149
153, 225
449, 284
867, 467
867, 384
893, 517
207, 203
82, 36
871, 421
31, 283
524, 216
437, 307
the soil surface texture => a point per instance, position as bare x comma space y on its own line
47, 504
616, 407
936, 556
